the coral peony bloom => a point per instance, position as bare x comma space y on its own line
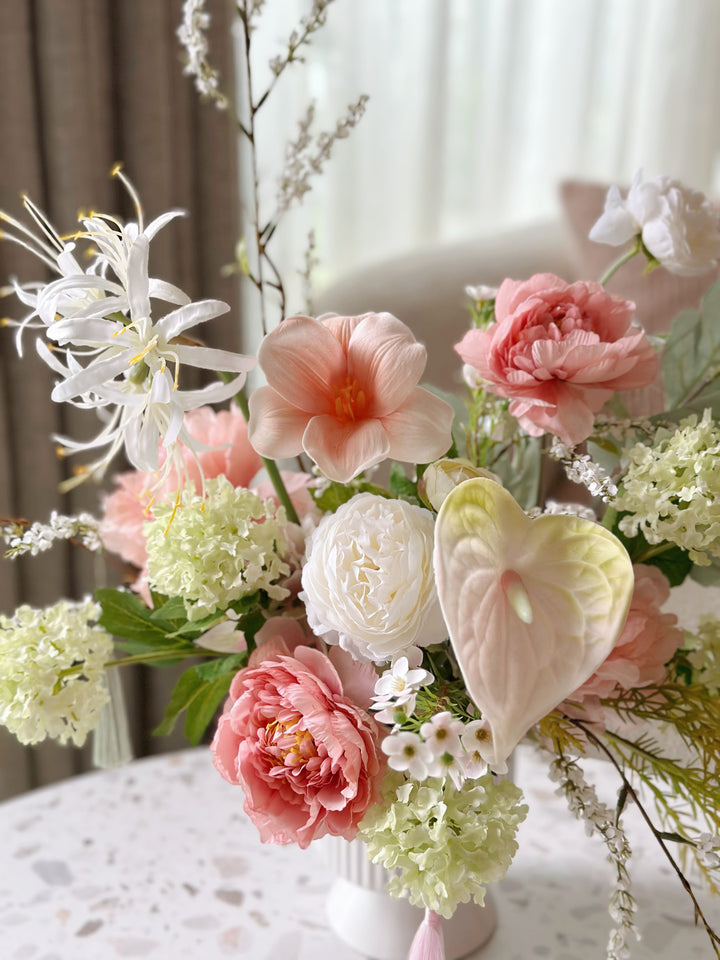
307, 757
559, 351
124, 510
648, 640
344, 390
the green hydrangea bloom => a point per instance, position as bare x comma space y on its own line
671, 490
52, 676
445, 844
704, 655
214, 550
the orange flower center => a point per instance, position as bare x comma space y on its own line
350, 401
288, 744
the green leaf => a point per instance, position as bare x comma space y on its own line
199, 692
692, 350
334, 496
401, 486
172, 609
125, 615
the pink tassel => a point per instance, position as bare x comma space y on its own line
428, 943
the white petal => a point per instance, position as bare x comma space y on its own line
211, 359
188, 316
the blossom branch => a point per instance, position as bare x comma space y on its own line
632, 793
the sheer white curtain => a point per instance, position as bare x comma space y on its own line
479, 108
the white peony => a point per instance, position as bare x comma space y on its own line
368, 580
679, 226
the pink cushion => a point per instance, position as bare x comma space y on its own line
660, 296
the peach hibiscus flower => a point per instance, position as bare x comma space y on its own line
344, 390
648, 640
559, 351
230, 454
307, 756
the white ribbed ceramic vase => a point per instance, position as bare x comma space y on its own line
381, 927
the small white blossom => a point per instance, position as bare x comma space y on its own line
679, 226
481, 293
581, 468
191, 34
477, 742
442, 734
408, 752
39, 537
708, 850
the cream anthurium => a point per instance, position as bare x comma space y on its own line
532, 607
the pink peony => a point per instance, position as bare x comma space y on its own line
648, 640
307, 756
559, 351
124, 510
344, 390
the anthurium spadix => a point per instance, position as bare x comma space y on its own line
532, 606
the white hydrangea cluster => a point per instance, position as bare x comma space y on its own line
582, 800
39, 537
671, 490
52, 676
444, 844
214, 550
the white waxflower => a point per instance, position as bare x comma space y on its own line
368, 581
407, 752
442, 734
52, 672
679, 226
397, 688
477, 742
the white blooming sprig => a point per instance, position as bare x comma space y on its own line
583, 801
39, 537
300, 37
671, 489
191, 34
52, 672
707, 849
111, 354
581, 468
305, 156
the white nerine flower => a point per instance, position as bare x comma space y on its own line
679, 226
117, 357
408, 752
368, 581
52, 672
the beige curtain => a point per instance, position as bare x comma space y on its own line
87, 83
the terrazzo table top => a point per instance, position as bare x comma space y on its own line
156, 860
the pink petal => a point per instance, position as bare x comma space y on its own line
302, 361
343, 450
358, 678
419, 431
275, 427
386, 360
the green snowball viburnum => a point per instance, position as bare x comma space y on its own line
671, 490
444, 844
52, 672
214, 550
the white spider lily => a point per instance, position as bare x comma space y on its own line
116, 355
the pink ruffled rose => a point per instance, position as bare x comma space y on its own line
344, 390
125, 510
648, 641
306, 755
559, 351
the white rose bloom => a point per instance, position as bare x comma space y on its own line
679, 226
368, 581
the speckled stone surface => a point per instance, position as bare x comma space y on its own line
157, 860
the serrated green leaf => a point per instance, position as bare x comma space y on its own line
334, 496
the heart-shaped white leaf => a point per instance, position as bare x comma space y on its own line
533, 607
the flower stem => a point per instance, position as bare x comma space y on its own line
271, 467
621, 261
653, 552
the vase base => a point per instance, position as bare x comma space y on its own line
382, 928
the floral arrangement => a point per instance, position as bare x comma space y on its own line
380, 639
